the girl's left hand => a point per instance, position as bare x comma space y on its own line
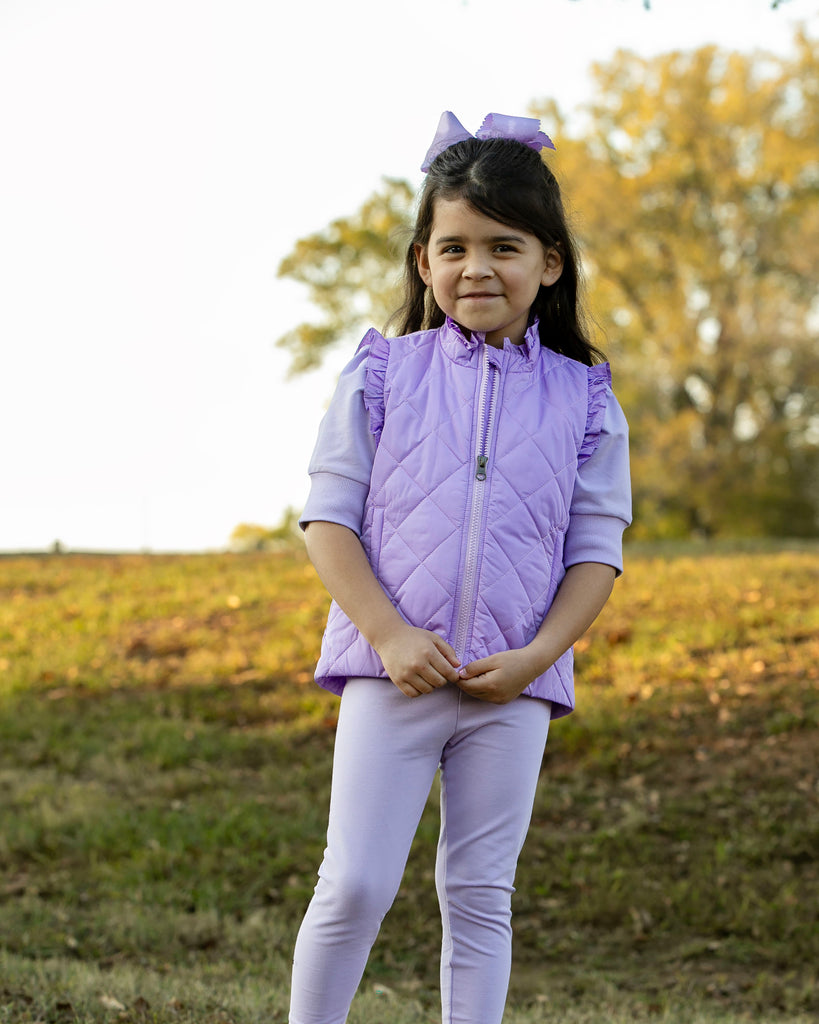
500, 678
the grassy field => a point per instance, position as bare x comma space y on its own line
164, 776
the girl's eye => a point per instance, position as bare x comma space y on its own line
505, 248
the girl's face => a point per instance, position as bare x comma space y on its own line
484, 274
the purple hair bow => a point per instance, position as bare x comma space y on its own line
495, 126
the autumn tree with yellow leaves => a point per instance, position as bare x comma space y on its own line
351, 271
693, 187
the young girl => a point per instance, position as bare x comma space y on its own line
469, 493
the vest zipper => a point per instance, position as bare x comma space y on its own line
486, 422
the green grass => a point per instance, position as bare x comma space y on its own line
164, 777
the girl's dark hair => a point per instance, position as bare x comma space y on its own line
508, 182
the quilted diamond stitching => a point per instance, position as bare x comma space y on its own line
518, 514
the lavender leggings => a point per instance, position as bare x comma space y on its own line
388, 749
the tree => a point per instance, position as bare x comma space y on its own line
351, 272
694, 181
697, 183
775, 4
253, 537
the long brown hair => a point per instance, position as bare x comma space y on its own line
510, 183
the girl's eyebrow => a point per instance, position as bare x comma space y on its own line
449, 239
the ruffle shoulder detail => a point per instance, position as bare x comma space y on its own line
377, 359
599, 385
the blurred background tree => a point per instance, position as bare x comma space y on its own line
352, 271
693, 185
696, 184
253, 537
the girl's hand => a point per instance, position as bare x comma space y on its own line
417, 660
500, 678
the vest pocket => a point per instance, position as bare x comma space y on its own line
371, 538
555, 539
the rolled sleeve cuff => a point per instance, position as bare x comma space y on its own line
595, 538
335, 499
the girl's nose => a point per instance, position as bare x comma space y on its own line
477, 267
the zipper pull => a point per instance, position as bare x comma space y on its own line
483, 462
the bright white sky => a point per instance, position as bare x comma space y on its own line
159, 159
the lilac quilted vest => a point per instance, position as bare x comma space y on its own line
469, 499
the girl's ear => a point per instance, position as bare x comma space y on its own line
422, 262
553, 268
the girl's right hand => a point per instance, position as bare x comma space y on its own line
418, 661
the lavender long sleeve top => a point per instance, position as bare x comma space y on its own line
342, 461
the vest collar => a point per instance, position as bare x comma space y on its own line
460, 347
